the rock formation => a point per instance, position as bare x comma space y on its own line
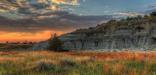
130, 33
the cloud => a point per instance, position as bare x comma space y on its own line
125, 14
35, 8
38, 15
151, 8
64, 22
68, 2
31, 19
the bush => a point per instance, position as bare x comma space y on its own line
68, 63
42, 66
55, 43
152, 67
153, 14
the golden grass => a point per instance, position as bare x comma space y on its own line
79, 63
124, 55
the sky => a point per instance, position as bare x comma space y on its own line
36, 20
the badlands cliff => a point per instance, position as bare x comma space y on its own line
130, 33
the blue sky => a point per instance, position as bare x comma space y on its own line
104, 7
78, 7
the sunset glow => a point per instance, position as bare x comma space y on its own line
35, 20
21, 36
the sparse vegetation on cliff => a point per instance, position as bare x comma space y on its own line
130, 33
146, 22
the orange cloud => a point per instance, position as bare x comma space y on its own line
69, 2
21, 36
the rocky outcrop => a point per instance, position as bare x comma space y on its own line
136, 33
107, 42
131, 33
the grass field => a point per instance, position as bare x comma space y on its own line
77, 63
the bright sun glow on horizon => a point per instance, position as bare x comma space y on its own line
21, 36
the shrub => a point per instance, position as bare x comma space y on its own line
55, 43
152, 67
68, 63
43, 66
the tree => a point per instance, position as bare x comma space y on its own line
55, 44
153, 17
153, 14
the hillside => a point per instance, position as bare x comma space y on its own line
130, 33
133, 33
144, 23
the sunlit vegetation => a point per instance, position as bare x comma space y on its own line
77, 63
138, 23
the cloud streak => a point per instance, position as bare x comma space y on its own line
68, 2
34, 8
39, 15
64, 22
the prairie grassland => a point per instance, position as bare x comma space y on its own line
77, 63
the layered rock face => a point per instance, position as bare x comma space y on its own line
107, 42
131, 33
139, 36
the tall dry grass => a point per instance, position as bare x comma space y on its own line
77, 63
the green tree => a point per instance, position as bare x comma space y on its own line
153, 14
55, 44
153, 17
